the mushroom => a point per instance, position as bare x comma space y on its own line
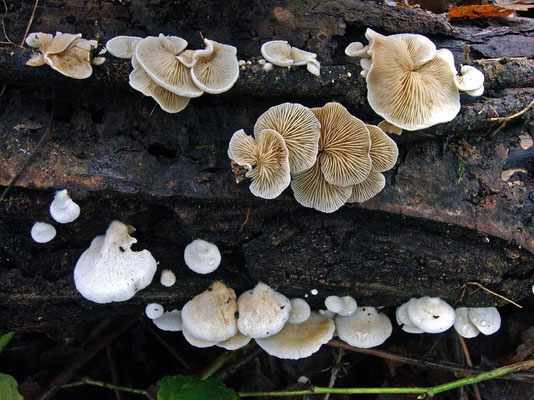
235, 342
314, 67
390, 128
300, 129
169, 321
430, 314
202, 257
384, 151
157, 56
42, 232
300, 311
167, 278
122, 46
63, 209
403, 319
263, 312
215, 69
109, 270
297, 341
463, 325
356, 49
266, 158
486, 319
196, 342
211, 315
154, 310
278, 52
334, 304
369, 188
365, 328
471, 81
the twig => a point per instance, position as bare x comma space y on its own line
245, 221
94, 382
113, 370
29, 22
335, 370
43, 139
469, 363
444, 366
217, 364
246, 358
517, 114
500, 296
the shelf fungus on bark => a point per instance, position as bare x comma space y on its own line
410, 83
122, 46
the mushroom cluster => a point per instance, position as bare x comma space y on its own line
327, 155
172, 75
470, 322
410, 83
282, 54
67, 53
427, 314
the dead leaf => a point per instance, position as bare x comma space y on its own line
476, 12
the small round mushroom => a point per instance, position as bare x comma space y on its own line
471, 81
170, 321
463, 324
314, 67
122, 46
263, 312
265, 158
235, 342
196, 342
345, 305
278, 52
300, 311
202, 257
403, 319
365, 328
486, 319
63, 209
334, 304
431, 314
211, 315
297, 341
168, 278
42, 232
357, 49
109, 270
154, 310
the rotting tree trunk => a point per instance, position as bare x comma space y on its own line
445, 218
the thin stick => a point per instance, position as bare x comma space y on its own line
517, 114
231, 369
113, 369
468, 362
30, 22
500, 296
217, 364
245, 221
94, 382
445, 366
335, 370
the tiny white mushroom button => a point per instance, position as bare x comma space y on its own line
167, 278
63, 209
431, 314
487, 320
202, 257
154, 310
300, 311
42, 232
169, 321
463, 325
365, 328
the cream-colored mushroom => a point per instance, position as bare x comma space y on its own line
471, 81
265, 158
365, 328
278, 52
390, 128
122, 46
215, 69
384, 151
235, 342
369, 188
300, 129
357, 49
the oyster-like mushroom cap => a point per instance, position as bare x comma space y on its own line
486, 319
215, 69
278, 52
170, 321
390, 128
402, 318
410, 84
470, 81
297, 341
211, 315
39, 40
384, 151
365, 328
300, 129
154, 310
75, 60
202, 257
122, 46
42, 232
109, 270
431, 314
60, 43
357, 49
314, 67
369, 188
302, 57
235, 342
196, 342
186, 57
63, 209
158, 58
463, 325
263, 311
344, 146
300, 311
266, 158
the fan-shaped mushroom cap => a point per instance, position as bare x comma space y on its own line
410, 84
211, 315
300, 311
343, 146
344, 306
300, 129
390, 128
158, 58
402, 318
471, 80
486, 319
278, 52
60, 43
216, 68
266, 158
366, 65
235, 342
75, 60
63, 209
431, 314
369, 188
42, 232
122, 46
167, 100
334, 304
109, 270
154, 310
186, 57
314, 67
262, 311
170, 321
356, 49
312, 190
463, 324
384, 151
365, 328
202, 257
297, 341
39, 40
196, 342
302, 57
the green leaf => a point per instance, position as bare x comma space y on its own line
5, 339
8, 388
192, 388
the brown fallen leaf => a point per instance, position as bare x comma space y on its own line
475, 12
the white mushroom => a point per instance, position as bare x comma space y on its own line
235, 342
300, 311
196, 342
356, 49
109, 270
63, 209
334, 304
278, 52
154, 310
42, 232
314, 67
365, 328
170, 321
471, 81
486, 319
463, 324
122, 46
403, 319
168, 278
202, 257
430, 314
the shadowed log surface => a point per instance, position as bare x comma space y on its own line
446, 216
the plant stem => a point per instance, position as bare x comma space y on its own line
94, 382
216, 365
